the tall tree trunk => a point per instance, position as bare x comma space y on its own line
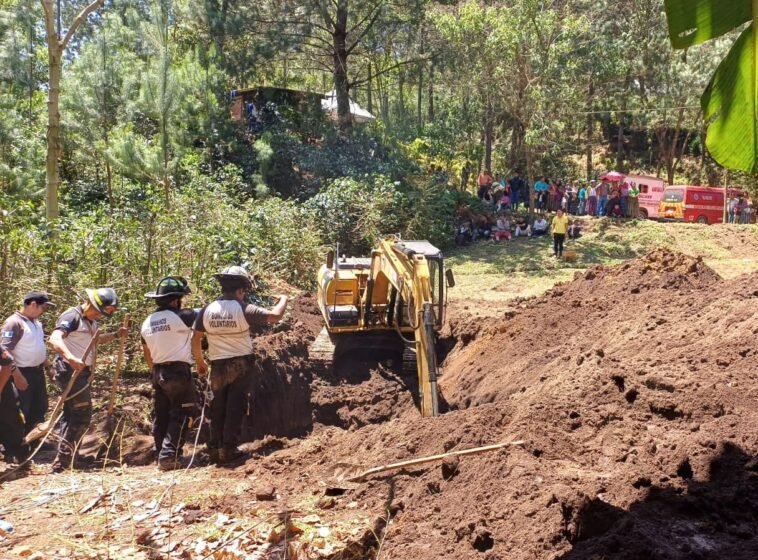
517, 139
488, 133
420, 77
341, 85
31, 75
369, 92
430, 94
590, 124
401, 94
55, 49
529, 182
53, 124
622, 118
420, 95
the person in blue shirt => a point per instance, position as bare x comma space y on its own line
582, 199
540, 190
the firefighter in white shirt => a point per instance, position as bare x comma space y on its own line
24, 339
72, 335
167, 345
227, 323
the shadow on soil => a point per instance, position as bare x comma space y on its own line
712, 519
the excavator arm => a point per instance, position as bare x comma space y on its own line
407, 272
399, 289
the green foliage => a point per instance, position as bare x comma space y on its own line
729, 104
132, 246
432, 216
356, 212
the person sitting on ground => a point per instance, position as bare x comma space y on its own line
616, 211
504, 200
540, 226
503, 228
614, 200
483, 227
574, 230
463, 232
523, 228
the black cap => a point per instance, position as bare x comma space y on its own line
39, 298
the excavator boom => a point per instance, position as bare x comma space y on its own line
399, 290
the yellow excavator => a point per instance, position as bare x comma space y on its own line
394, 299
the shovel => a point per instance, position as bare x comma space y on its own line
41, 430
107, 444
355, 473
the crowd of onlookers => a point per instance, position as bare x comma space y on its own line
739, 211
615, 199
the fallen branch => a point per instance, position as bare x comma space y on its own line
346, 470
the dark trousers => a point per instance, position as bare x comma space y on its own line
175, 406
12, 425
34, 399
231, 384
77, 412
558, 239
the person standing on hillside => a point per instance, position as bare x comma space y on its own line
517, 190
634, 201
602, 198
167, 346
484, 182
73, 333
227, 323
624, 200
560, 228
592, 199
24, 339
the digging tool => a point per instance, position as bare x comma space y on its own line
107, 444
42, 429
355, 473
119, 363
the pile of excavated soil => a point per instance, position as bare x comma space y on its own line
635, 390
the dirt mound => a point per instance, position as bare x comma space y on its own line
638, 411
290, 397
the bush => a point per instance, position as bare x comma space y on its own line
356, 213
131, 247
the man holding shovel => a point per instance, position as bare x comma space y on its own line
167, 345
73, 336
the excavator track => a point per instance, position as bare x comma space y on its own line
410, 368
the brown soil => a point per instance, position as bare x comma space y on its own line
634, 388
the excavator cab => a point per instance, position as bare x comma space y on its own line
397, 295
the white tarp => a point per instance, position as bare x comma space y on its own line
360, 115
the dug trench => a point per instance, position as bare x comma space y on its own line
634, 388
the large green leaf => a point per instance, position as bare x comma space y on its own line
695, 21
730, 103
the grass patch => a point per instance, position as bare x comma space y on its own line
494, 273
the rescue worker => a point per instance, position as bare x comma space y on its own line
227, 323
24, 339
72, 335
167, 345
11, 417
